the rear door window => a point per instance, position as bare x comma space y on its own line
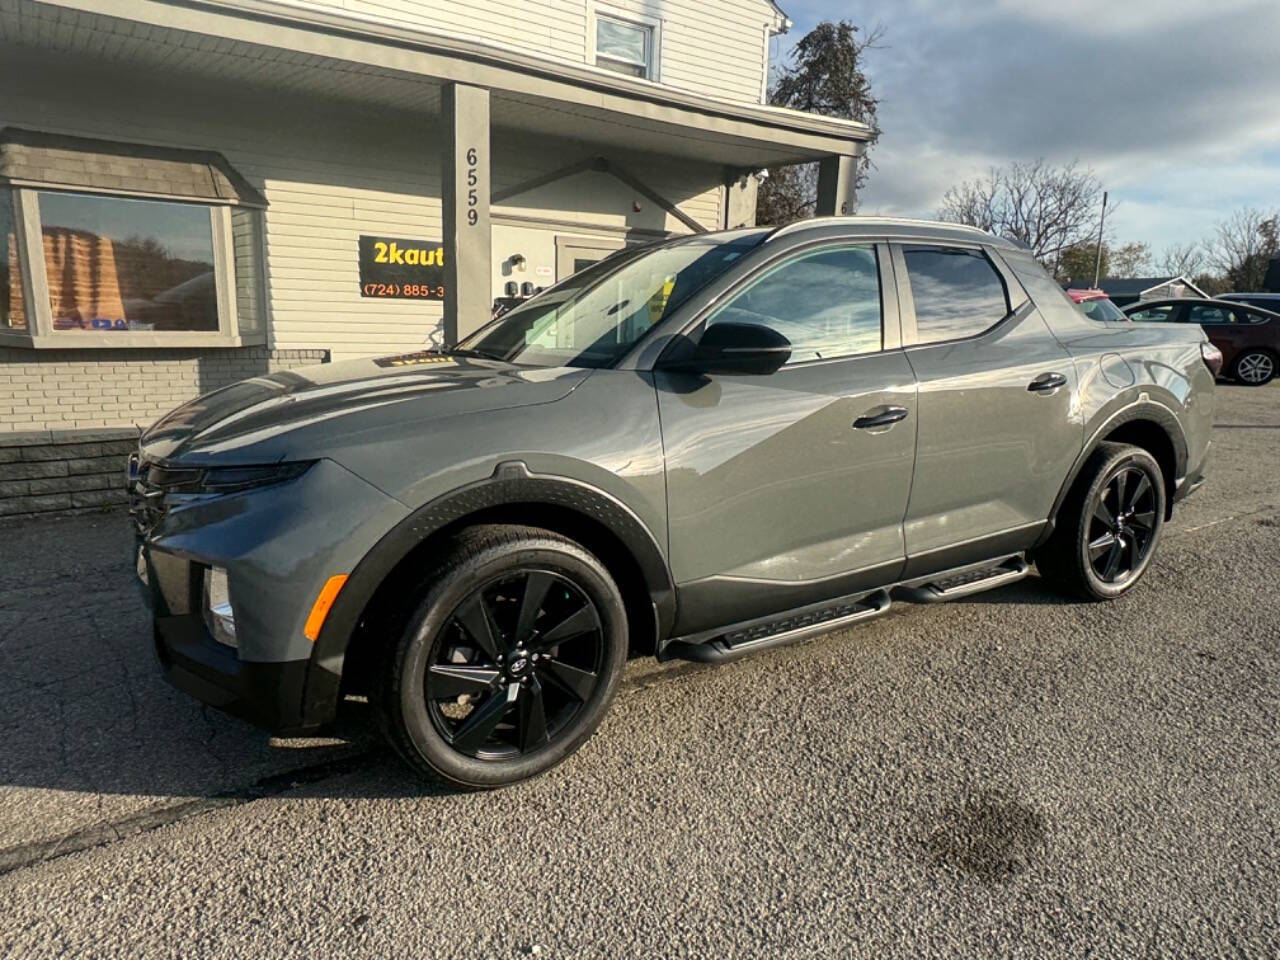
1205, 313
957, 291
1165, 313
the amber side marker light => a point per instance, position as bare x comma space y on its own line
320, 609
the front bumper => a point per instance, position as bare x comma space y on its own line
279, 544
269, 695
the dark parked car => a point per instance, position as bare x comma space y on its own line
698, 448
1248, 337
1267, 301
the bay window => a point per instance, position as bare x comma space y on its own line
157, 253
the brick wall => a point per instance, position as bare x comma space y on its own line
68, 418
48, 472
91, 389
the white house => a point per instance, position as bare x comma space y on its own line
194, 192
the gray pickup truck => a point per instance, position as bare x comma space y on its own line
694, 449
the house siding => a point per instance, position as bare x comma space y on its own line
330, 173
714, 48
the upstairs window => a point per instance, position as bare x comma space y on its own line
625, 47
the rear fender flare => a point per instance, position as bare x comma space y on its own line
1141, 409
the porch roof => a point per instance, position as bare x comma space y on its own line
291, 46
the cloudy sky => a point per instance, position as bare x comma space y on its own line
1175, 105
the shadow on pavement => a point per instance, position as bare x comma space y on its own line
91, 731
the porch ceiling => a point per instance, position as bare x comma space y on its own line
404, 80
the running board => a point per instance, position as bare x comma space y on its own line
963, 581
761, 635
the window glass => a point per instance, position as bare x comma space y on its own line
1101, 310
13, 315
623, 47
827, 303
957, 292
595, 316
246, 241
1202, 313
1162, 314
117, 264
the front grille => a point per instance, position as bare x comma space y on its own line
149, 485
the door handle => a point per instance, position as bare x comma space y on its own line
1047, 383
885, 418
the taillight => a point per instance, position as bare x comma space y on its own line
1212, 357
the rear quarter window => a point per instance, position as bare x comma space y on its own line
957, 292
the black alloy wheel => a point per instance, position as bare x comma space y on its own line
1122, 525
517, 662
510, 660
1107, 530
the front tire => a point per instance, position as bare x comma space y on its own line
1254, 368
510, 661
1109, 526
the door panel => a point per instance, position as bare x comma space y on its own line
992, 451
769, 481
775, 498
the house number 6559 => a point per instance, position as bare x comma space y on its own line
473, 178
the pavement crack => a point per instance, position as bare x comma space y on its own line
105, 833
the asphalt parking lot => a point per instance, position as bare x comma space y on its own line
1015, 775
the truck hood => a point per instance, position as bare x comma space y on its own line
302, 413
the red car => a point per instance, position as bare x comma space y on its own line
1248, 336
1096, 305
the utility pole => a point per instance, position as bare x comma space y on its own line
1102, 222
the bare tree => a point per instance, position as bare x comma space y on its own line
1130, 259
1243, 245
1046, 207
1183, 260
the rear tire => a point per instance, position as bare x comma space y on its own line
510, 661
1254, 368
1109, 526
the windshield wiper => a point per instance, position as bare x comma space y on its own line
470, 352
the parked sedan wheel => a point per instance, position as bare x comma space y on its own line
1108, 528
1253, 368
510, 662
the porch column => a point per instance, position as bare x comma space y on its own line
739, 199
836, 196
468, 242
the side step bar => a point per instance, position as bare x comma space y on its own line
761, 635
963, 581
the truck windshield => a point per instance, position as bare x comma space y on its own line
1101, 309
597, 315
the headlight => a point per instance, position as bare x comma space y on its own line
180, 479
218, 615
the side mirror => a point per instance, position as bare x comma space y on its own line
732, 348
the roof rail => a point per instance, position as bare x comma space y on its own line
798, 226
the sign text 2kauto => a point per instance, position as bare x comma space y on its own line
399, 268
